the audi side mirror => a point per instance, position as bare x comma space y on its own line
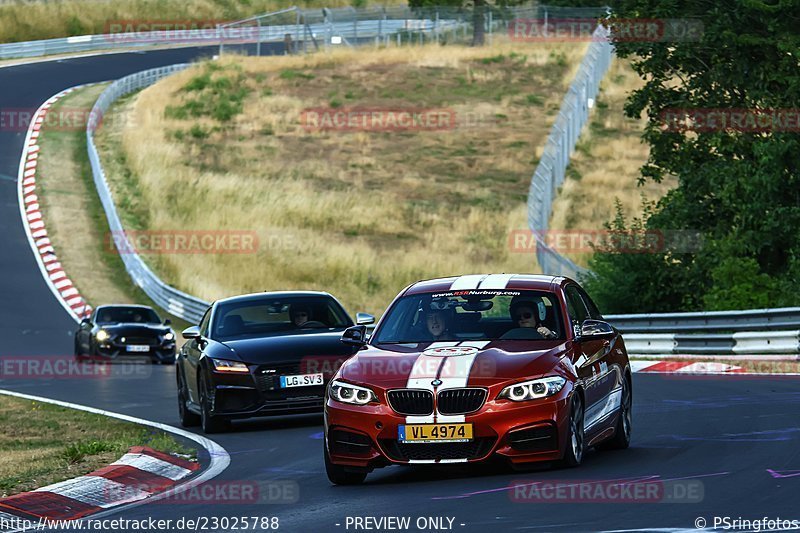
167, 321
355, 336
364, 319
192, 332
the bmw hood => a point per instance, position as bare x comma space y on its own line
454, 364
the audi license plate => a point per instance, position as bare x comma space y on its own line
301, 380
137, 348
435, 433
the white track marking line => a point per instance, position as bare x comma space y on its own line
219, 458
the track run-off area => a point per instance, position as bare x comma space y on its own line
723, 446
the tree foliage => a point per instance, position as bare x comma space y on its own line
740, 189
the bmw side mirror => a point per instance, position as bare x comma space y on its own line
167, 321
364, 319
596, 328
355, 336
192, 332
84, 322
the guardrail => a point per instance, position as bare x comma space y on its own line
178, 303
552, 167
734, 344
712, 321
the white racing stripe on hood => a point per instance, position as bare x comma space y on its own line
455, 375
465, 283
423, 372
496, 281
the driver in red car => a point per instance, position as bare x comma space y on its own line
436, 322
524, 314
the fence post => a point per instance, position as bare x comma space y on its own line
258, 39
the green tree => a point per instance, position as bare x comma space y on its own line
741, 189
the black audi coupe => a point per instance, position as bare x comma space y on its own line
262, 354
122, 332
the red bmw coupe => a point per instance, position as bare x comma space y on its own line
462, 369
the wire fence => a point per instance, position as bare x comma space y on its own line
552, 167
303, 30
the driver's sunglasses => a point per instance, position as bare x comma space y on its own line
301, 313
527, 315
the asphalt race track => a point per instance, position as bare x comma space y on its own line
728, 445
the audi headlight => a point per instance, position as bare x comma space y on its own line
101, 335
221, 365
169, 336
352, 394
534, 389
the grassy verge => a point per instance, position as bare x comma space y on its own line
605, 165
360, 213
43, 444
25, 21
76, 222
750, 365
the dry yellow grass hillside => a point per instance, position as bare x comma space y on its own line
605, 165
228, 145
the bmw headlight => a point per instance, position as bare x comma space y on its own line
221, 365
169, 336
534, 389
352, 394
101, 335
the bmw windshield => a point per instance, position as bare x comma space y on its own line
472, 315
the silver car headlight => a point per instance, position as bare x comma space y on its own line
352, 394
533, 389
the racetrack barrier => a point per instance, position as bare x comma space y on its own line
176, 302
735, 344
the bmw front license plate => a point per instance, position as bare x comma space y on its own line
435, 433
137, 348
302, 380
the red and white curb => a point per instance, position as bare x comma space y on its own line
137, 475
131, 481
685, 367
52, 271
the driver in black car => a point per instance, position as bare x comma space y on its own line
299, 314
